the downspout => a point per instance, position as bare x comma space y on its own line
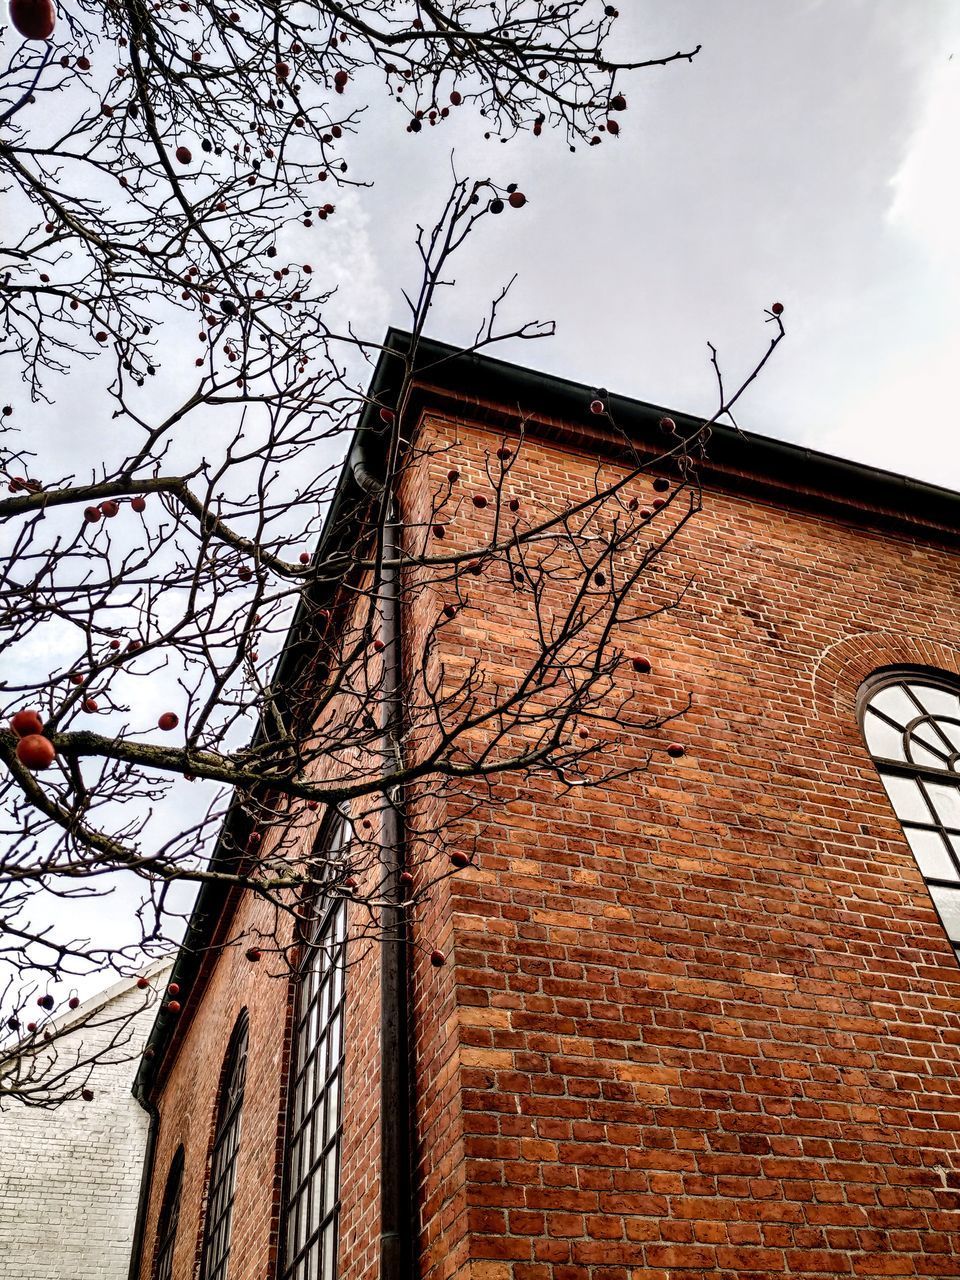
146, 1178
396, 1210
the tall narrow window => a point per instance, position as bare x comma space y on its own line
223, 1161
312, 1169
169, 1219
911, 722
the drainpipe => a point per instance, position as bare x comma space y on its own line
146, 1178
396, 1209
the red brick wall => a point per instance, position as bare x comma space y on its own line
699, 1023
707, 1020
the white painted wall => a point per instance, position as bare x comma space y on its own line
70, 1177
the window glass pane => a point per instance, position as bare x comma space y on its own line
951, 731
882, 739
223, 1161
932, 755
894, 702
946, 801
939, 702
329, 1253
948, 904
906, 799
311, 1189
931, 854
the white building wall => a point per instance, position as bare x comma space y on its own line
70, 1177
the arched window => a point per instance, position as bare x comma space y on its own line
169, 1219
312, 1164
911, 722
223, 1161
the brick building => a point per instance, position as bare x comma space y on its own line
70, 1175
698, 1021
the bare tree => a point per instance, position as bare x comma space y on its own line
159, 157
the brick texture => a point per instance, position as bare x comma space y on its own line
70, 1177
701, 1023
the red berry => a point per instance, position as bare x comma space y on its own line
92, 514
138, 503
110, 508
340, 81
642, 665
184, 155
86, 1095
453, 475
25, 722
173, 989
777, 308
253, 954
34, 19
387, 416
676, 750
406, 877
479, 501
142, 984
517, 199
456, 97
169, 720
244, 573
437, 959
668, 425
439, 531
459, 859
73, 1002
173, 1006
90, 705
378, 646
304, 557
514, 504
596, 406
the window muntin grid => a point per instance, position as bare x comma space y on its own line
169, 1219
911, 724
223, 1161
312, 1170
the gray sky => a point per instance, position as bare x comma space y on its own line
808, 155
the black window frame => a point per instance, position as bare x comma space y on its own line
309, 1237
222, 1182
169, 1219
921, 773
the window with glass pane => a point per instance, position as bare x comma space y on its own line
223, 1162
312, 1173
169, 1219
911, 723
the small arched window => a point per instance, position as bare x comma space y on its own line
911, 723
223, 1160
169, 1219
312, 1163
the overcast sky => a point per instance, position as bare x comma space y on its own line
807, 155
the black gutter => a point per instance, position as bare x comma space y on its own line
146, 1178
396, 1114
